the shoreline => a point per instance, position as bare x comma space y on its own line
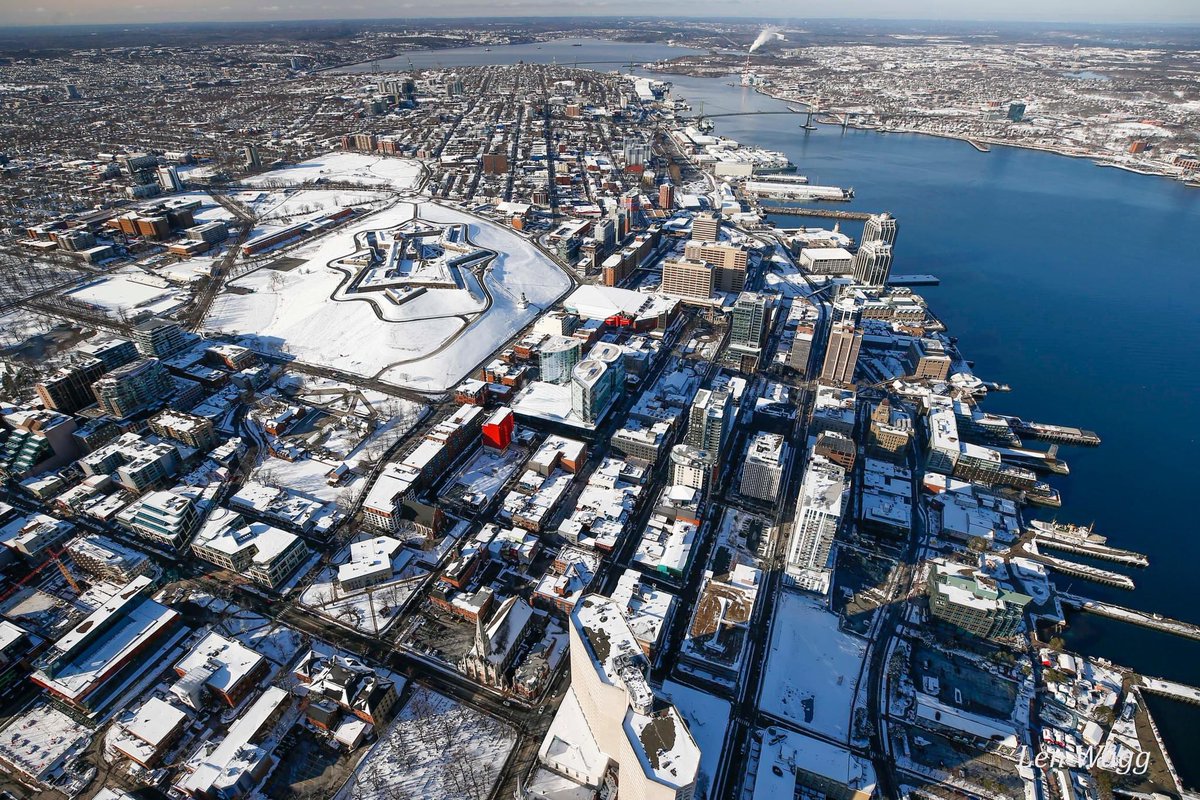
1099, 159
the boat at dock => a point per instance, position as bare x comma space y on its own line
1061, 434
783, 190
1082, 541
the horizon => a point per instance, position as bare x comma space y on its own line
109, 13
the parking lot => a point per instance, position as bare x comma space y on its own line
310, 767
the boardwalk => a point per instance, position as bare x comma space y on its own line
1155, 621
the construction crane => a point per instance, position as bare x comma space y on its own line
53, 557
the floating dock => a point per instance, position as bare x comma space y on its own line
1156, 621
913, 280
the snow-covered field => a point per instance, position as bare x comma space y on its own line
436, 748
292, 310
357, 168
812, 668
373, 609
128, 291
209, 211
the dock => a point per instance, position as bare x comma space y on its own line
1029, 548
1047, 461
798, 211
1080, 540
1060, 434
1172, 689
980, 146
1154, 621
914, 280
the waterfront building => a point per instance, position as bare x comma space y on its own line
927, 358
873, 263
826, 260
762, 471
841, 355
880, 228
969, 599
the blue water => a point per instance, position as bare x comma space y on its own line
1076, 285
591, 53
1073, 283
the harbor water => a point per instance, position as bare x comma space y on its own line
1072, 283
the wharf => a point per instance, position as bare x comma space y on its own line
1060, 434
1035, 459
1080, 540
798, 211
1156, 622
914, 280
1172, 689
1029, 548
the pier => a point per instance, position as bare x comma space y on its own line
1075, 539
914, 280
1035, 459
1172, 689
1087, 572
829, 213
1061, 434
1155, 621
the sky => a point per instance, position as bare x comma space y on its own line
58, 12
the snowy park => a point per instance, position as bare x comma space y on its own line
292, 306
